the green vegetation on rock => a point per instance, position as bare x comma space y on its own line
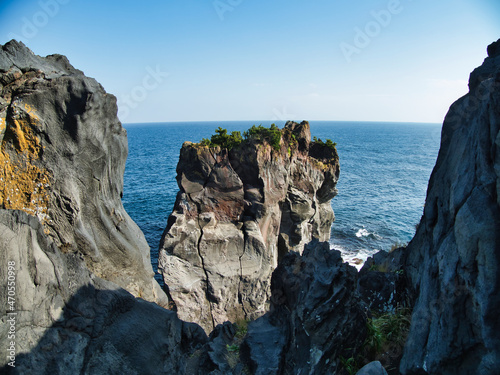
329, 143
222, 139
271, 135
386, 335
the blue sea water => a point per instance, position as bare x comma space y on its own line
385, 168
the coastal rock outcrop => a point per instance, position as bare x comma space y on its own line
62, 158
453, 260
237, 214
74, 252
79, 263
316, 316
65, 320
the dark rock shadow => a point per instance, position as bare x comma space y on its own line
111, 332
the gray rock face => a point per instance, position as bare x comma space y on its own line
382, 283
237, 213
69, 321
453, 260
316, 316
62, 158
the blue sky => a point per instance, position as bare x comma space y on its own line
215, 60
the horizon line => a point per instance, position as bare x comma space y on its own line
280, 121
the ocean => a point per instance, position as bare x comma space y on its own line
384, 171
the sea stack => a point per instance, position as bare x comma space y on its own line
238, 212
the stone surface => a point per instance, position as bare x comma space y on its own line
372, 368
316, 316
62, 158
453, 260
383, 284
69, 321
236, 215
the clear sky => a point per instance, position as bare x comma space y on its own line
187, 60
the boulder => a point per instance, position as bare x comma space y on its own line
372, 368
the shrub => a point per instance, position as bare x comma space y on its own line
350, 365
329, 143
241, 328
206, 142
271, 135
388, 330
259, 133
222, 139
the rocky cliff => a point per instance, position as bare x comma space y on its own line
316, 317
62, 224
62, 158
74, 251
237, 214
66, 320
453, 260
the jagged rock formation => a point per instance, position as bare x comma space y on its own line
453, 260
62, 158
316, 316
382, 283
75, 249
236, 214
68, 321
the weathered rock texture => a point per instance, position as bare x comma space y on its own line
316, 317
237, 214
453, 260
80, 262
68, 321
62, 224
62, 158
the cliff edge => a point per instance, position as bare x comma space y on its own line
238, 212
70, 251
453, 260
62, 158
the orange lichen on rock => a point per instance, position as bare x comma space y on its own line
2, 125
23, 184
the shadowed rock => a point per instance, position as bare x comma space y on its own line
68, 321
316, 316
453, 260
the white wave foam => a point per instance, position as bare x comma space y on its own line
364, 233
354, 258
